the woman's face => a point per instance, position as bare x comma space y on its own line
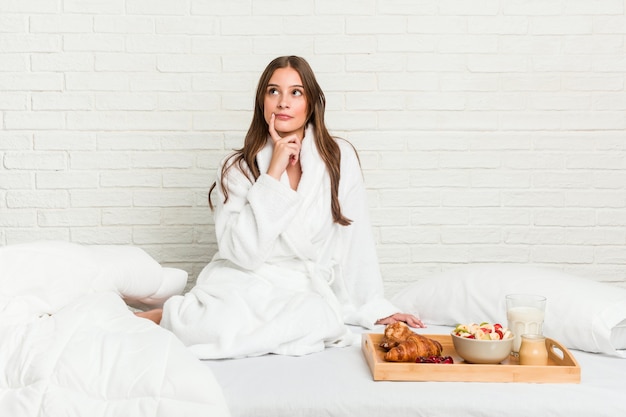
284, 96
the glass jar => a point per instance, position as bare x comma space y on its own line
533, 350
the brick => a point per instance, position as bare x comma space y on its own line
66, 23
376, 25
195, 63
597, 199
596, 44
194, 141
97, 82
94, 6
410, 198
454, 235
25, 199
344, 45
124, 62
186, 25
126, 101
439, 253
157, 7
15, 141
446, 25
35, 161
532, 198
139, 141
61, 101
101, 160
16, 180
609, 24
498, 25
19, 218
137, 180
498, 63
100, 198
609, 101
560, 254
190, 216
13, 23
348, 7
408, 161
499, 254
130, 217
123, 24
13, 101
494, 101
477, 44
14, 62
31, 82
161, 199
407, 7
314, 25
564, 217
499, 216
21, 43
66, 180
68, 218
32, 234
162, 235
94, 42
390, 217
217, 45
102, 235
560, 102
40, 120
186, 180
594, 121
162, 160
483, 198
157, 44
119, 120
601, 7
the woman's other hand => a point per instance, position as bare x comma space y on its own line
409, 319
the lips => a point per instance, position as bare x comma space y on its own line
283, 117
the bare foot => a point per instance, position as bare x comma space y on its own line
155, 315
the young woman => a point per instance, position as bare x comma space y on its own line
296, 258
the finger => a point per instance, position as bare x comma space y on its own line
415, 322
273, 133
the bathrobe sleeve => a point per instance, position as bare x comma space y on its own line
249, 223
361, 276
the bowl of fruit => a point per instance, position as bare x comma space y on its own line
482, 342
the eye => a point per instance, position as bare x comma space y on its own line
297, 93
272, 91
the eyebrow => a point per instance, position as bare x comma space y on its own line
291, 86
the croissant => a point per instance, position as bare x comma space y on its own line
412, 348
395, 334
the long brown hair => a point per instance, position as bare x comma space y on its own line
257, 133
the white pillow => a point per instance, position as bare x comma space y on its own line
581, 313
42, 277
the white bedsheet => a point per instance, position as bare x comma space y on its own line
337, 382
69, 345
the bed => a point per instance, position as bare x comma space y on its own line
583, 314
70, 345
337, 382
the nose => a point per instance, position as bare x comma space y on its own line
283, 103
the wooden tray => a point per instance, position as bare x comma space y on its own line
561, 367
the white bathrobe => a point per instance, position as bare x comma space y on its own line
286, 279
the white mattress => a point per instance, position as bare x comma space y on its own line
338, 382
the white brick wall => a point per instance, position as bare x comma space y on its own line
489, 131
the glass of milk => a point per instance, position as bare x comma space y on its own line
525, 313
